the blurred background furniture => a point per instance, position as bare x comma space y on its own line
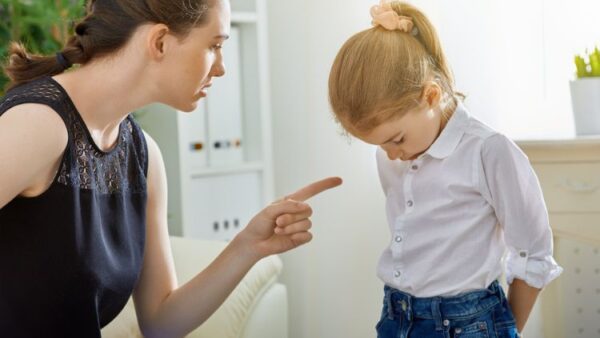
569, 173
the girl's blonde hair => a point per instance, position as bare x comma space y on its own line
380, 74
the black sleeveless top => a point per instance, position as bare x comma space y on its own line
70, 258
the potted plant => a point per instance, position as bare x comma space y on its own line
43, 26
585, 94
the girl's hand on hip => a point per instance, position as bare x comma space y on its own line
285, 224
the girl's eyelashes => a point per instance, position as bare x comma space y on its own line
400, 141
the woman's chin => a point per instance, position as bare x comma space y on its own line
186, 108
191, 105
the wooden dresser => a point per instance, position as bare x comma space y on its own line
569, 173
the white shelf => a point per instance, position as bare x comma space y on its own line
230, 170
561, 142
243, 17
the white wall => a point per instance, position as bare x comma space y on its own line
332, 285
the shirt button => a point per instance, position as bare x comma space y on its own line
415, 167
446, 322
398, 239
523, 254
410, 203
397, 274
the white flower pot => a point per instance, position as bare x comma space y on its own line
585, 98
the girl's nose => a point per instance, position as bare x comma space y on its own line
393, 154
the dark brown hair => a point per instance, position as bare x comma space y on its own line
106, 28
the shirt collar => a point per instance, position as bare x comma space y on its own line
450, 137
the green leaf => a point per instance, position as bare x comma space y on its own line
595, 64
581, 66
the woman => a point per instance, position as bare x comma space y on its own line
83, 193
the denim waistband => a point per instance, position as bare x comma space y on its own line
452, 308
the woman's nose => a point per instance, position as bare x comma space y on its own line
218, 69
218, 66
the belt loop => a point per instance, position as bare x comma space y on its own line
408, 308
500, 292
390, 304
437, 314
497, 288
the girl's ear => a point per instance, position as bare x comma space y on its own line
157, 41
432, 94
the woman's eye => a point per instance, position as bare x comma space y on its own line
217, 46
400, 141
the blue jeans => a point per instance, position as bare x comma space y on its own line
478, 314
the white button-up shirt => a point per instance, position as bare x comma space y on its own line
458, 208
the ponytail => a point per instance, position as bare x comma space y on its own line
105, 29
429, 38
23, 67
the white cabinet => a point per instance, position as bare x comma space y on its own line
569, 173
224, 109
219, 157
225, 204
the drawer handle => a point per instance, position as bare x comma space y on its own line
578, 187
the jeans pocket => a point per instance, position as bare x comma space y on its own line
473, 330
388, 327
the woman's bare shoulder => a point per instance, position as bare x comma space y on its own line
33, 138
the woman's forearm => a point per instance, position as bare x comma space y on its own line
194, 302
521, 298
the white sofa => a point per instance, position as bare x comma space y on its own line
257, 308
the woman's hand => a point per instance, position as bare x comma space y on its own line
284, 224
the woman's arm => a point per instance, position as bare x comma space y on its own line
32, 140
521, 298
166, 310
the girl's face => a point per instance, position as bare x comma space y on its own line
191, 63
409, 136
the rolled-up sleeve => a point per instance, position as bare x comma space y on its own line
510, 185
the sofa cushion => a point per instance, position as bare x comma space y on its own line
190, 257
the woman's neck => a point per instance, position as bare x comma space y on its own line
104, 93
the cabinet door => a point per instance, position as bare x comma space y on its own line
218, 207
224, 107
570, 187
194, 138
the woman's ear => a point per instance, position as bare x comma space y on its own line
157, 41
432, 94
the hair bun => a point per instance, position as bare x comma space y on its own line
80, 29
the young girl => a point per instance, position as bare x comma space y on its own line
83, 221
459, 194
